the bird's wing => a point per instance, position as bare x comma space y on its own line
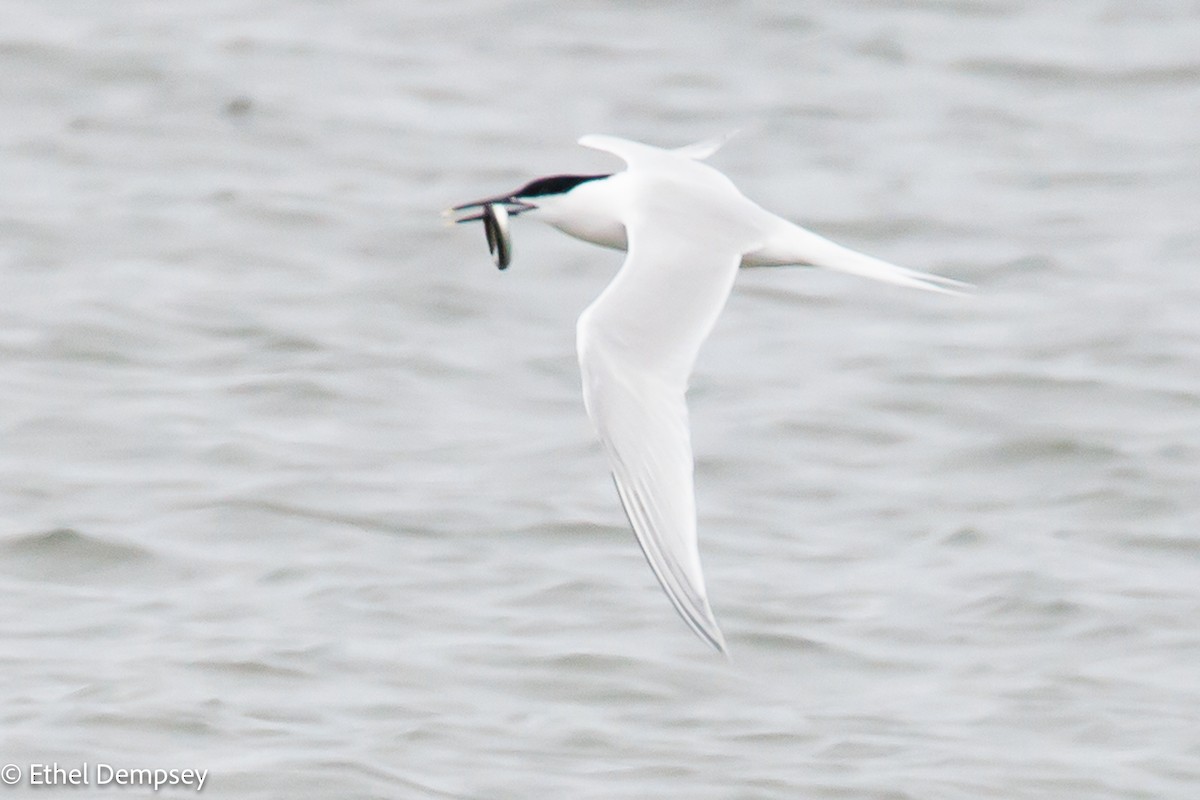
635, 154
637, 344
703, 149
644, 430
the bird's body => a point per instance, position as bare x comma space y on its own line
687, 230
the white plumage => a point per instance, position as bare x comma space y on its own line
687, 230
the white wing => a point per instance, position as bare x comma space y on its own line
631, 151
637, 344
688, 229
641, 156
705, 148
781, 242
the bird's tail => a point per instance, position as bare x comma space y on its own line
796, 245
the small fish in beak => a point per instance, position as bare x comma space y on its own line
494, 213
495, 225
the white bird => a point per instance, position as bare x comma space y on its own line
687, 230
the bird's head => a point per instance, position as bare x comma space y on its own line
495, 211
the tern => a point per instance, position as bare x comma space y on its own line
686, 230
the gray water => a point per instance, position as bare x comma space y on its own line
298, 489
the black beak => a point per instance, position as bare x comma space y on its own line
507, 201
494, 212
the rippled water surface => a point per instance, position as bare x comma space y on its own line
298, 489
